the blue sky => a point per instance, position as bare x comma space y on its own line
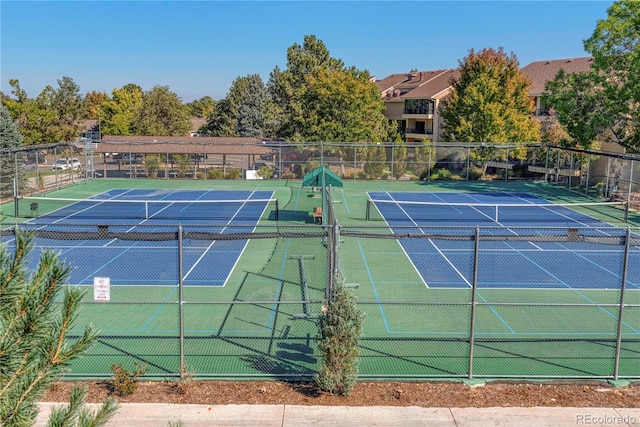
198, 48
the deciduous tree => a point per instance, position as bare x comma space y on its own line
202, 107
162, 113
342, 106
37, 118
120, 111
604, 103
287, 87
489, 103
93, 103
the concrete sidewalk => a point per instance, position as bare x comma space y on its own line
158, 414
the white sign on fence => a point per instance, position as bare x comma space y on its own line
101, 288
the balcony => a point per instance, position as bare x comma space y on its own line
419, 131
417, 134
417, 113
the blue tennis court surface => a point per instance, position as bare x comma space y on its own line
493, 209
523, 256
147, 262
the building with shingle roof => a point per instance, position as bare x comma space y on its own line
412, 100
540, 72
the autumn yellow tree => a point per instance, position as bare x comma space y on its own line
490, 103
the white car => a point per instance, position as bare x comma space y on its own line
65, 164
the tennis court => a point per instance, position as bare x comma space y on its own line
132, 211
446, 263
476, 282
219, 257
238, 293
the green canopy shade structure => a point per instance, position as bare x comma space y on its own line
314, 178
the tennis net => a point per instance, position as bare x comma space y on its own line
420, 212
249, 210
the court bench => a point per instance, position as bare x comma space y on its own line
317, 215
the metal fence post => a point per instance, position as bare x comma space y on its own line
557, 165
506, 166
476, 250
430, 159
630, 181
393, 158
625, 264
355, 162
181, 302
606, 187
570, 170
468, 159
546, 165
586, 177
330, 261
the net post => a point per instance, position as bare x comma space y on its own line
368, 211
277, 213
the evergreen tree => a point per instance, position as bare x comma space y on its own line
340, 333
68, 105
35, 320
10, 162
243, 111
424, 159
251, 109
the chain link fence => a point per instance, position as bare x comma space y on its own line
35, 169
606, 175
458, 302
497, 303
